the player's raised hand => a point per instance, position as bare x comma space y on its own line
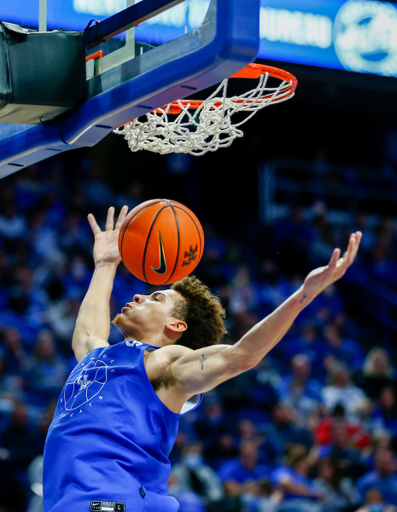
322, 277
106, 249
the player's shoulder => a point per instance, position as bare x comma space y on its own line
157, 361
173, 352
167, 355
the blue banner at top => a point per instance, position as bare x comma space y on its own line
354, 35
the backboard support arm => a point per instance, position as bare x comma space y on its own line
43, 15
126, 19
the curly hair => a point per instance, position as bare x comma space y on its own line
201, 310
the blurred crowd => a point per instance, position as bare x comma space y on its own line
312, 428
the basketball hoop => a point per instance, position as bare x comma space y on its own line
199, 126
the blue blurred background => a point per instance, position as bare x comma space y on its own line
313, 428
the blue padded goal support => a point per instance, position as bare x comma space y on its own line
225, 43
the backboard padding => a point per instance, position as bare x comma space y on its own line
226, 42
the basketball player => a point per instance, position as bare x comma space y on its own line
117, 417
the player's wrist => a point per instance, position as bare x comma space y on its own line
107, 264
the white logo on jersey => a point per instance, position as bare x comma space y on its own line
85, 382
133, 343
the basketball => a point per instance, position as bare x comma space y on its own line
161, 241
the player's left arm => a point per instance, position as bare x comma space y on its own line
202, 370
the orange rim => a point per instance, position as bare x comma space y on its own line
251, 71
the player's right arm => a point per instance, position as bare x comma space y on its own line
93, 321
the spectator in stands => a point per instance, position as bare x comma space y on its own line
384, 415
340, 390
18, 449
11, 386
378, 372
188, 500
341, 448
78, 276
49, 371
246, 467
323, 233
300, 392
73, 235
28, 188
331, 300
383, 478
29, 300
338, 492
347, 351
214, 432
266, 498
362, 222
194, 475
17, 359
263, 384
292, 479
306, 341
232, 500
283, 431
35, 481
12, 225
272, 288
61, 317
374, 503
248, 430
383, 267
43, 238
243, 301
42, 425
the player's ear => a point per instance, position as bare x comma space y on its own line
176, 327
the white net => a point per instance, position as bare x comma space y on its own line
205, 128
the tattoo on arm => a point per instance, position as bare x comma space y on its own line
203, 358
303, 298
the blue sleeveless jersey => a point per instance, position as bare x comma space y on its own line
107, 447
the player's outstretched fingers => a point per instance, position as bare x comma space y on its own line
122, 216
93, 223
110, 219
354, 243
352, 248
357, 245
334, 259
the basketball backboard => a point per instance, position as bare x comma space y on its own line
184, 46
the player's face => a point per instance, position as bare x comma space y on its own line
146, 315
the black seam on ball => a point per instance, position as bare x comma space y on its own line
147, 240
198, 231
134, 217
179, 241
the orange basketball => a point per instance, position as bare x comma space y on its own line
161, 241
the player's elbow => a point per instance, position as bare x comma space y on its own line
242, 362
247, 364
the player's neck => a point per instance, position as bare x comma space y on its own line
150, 339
